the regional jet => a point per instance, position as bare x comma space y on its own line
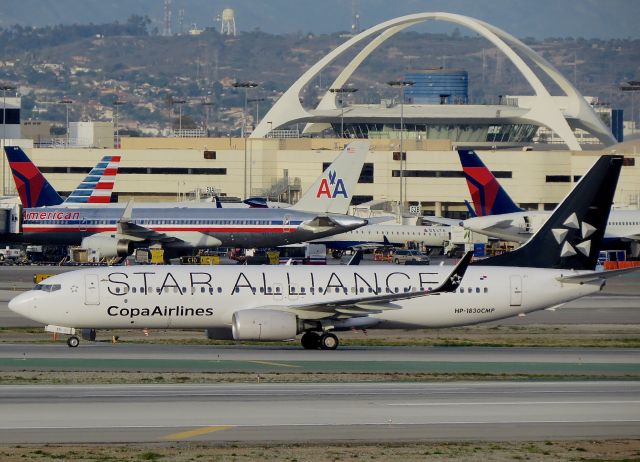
277, 303
499, 217
116, 229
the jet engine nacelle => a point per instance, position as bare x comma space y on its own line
108, 245
264, 324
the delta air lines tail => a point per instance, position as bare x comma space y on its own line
489, 198
32, 186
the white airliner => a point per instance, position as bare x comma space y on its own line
116, 229
504, 220
277, 303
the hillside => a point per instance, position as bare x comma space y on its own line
95, 64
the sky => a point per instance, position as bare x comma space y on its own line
540, 19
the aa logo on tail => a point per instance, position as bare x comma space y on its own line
332, 188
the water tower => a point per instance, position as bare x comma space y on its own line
228, 26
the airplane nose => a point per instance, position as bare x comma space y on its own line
21, 304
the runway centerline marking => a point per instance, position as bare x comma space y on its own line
196, 432
271, 363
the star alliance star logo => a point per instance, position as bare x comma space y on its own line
585, 229
455, 279
74, 289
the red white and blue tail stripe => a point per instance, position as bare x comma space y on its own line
97, 187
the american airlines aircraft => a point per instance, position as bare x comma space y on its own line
277, 303
115, 229
499, 217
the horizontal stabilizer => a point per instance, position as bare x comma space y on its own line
442, 221
596, 276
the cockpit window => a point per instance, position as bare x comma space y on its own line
47, 287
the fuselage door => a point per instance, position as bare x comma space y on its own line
286, 221
516, 290
91, 290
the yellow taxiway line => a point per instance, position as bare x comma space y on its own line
196, 432
270, 363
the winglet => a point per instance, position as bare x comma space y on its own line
472, 213
32, 186
333, 190
453, 280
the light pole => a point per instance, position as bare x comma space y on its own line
179, 102
257, 101
5, 88
66, 102
401, 84
342, 91
246, 86
632, 86
117, 103
206, 104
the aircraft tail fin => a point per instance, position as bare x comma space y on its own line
572, 236
332, 191
32, 186
489, 197
97, 187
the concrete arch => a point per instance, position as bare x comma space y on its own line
544, 111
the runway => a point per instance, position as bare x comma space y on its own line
310, 412
595, 362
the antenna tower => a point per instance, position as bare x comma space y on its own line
166, 31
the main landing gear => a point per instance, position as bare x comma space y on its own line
313, 341
73, 341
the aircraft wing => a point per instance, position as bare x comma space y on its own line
371, 304
135, 232
596, 276
441, 220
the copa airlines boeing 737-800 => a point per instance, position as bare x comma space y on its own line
115, 229
276, 303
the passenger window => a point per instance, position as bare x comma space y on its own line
477, 290
486, 290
